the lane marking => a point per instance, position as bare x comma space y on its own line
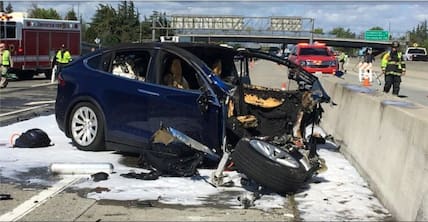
40, 102
23, 110
44, 84
37, 200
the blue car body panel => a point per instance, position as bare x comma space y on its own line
133, 110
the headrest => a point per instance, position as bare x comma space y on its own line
175, 67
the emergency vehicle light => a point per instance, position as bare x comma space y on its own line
319, 43
4, 17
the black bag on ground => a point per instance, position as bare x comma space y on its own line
174, 159
33, 138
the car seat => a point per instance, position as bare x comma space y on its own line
123, 67
174, 77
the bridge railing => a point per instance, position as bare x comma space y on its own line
292, 26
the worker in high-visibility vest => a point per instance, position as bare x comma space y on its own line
342, 59
393, 67
62, 58
6, 63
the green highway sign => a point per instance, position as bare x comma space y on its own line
376, 35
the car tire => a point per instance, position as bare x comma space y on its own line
86, 127
267, 172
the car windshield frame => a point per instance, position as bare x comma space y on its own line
314, 51
416, 51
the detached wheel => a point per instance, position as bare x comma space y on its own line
86, 127
269, 165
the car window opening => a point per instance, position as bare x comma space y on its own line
130, 65
179, 74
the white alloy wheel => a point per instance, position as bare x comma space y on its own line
274, 153
84, 126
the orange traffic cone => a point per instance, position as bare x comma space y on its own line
283, 86
366, 81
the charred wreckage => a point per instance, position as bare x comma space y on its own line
266, 133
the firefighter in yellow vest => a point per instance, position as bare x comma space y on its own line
62, 58
393, 67
6, 63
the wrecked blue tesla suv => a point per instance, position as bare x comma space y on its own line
119, 98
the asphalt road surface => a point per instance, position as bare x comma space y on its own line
22, 100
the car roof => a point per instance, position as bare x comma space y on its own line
311, 45
181, 47
150, 45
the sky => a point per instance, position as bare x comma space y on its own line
338, 194
395, 16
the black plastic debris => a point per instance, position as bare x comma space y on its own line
247, 199
99, 176
5, 197
100, 189
172, 153
152, 175
33, 138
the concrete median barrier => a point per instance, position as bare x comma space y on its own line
386, 138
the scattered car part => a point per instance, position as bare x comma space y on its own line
99, 176
172, 153
247, 199
218, 178
5, 197
192, 143
255, 158
152, 175
80, 168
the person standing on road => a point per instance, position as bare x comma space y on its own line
393, 67
62, 58
342, 60
368, 56
368, 60
6, 63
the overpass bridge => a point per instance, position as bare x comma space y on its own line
274, 29
335, 42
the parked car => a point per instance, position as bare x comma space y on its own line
119, 98
315, 58
416, 54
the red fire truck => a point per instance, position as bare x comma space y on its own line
34, 42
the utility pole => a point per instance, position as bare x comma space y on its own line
311, 40
141, 32
154, 17
141, 29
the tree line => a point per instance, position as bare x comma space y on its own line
122, 24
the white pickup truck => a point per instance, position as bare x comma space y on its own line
416, 54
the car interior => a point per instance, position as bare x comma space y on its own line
171, 68
133, 65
